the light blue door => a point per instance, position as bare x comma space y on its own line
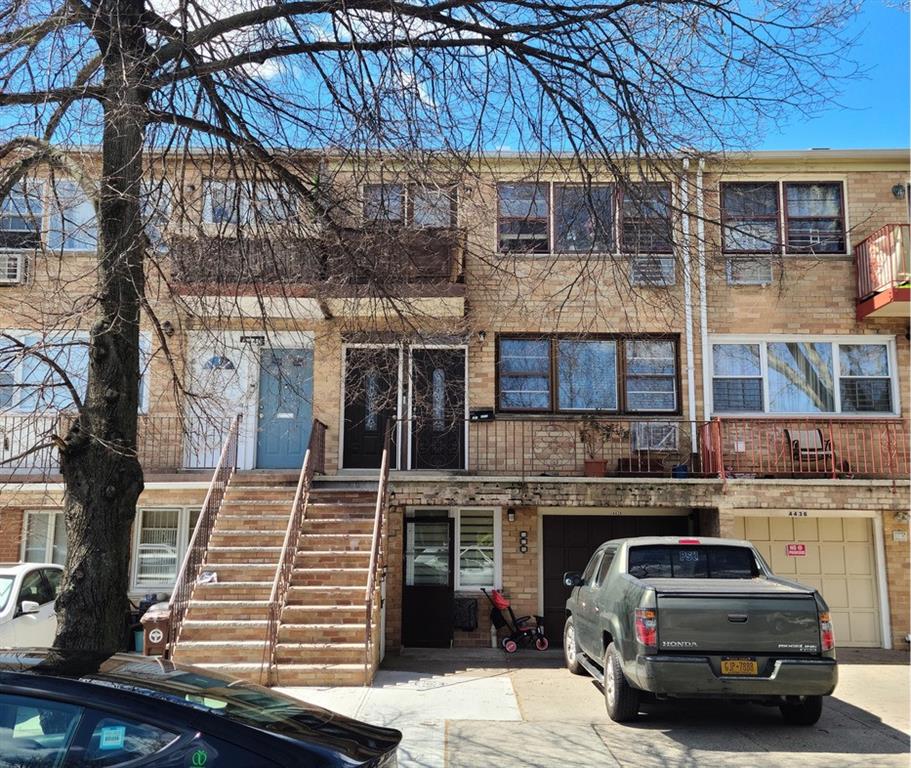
285, 408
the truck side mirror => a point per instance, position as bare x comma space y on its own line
572, 579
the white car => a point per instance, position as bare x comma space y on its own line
27, 594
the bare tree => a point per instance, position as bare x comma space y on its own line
615, 89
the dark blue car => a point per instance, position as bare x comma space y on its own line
86, 710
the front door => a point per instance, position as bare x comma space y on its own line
285, 408
438, 408
371, 403
427, 599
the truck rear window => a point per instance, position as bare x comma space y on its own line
692, 562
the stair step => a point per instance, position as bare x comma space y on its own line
274, 523
338, 542
319, 653
224, 629
337, 525
244, 573
332, 559
324, 614
249, 671
234, 590
221, 652
321, 633
248, 538
227, 610
221, 555
346, 596
318, 674
329, 577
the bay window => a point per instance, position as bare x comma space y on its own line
798, 376
572, 374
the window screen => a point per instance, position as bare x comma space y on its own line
692, 562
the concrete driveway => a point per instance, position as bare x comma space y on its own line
464, 709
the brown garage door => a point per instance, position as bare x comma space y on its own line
569, 541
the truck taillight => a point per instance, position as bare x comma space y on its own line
647, 627
826, 633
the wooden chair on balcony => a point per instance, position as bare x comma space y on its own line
813, 453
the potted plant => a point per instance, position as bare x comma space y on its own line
593, 434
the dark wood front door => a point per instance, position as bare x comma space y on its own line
570, 540
371, 402
438, 408
427, 597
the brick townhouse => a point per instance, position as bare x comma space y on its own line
728, 356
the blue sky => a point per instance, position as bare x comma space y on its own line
874, 110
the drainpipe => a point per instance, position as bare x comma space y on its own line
703, 302
688, 301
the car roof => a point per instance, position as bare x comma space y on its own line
8, 569
640, 541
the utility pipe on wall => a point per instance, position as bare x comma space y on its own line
688, 300
703, 301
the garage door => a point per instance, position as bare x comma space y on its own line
839, 562
570, 540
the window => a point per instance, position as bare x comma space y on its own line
432, 208
815, 218
696, 562
587, 374
864, 378
245, 202
162, 536
523, 218
476, 533
646, 226
606, 561
524, 374
73, 225
35, 732
651, 376
384, 203
115, 741
591, 569
20, 217
737, 382
155, 205
750, 217
798, 376
45, 538
584, 218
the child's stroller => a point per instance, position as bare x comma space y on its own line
525, 630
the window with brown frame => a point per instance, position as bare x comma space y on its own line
579, 374
815, 219
523, 217
750, 217
645, 210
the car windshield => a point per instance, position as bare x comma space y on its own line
692, 562
6, 589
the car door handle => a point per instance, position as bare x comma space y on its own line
738, 618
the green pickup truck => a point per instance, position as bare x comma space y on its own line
697, 617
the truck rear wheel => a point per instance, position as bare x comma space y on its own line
805, 712
571, 648
620, 698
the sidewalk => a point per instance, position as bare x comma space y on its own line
464, 709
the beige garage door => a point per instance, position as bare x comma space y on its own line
839, 563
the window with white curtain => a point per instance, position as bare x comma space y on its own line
45, 538
477, 534
803, 375
161, 540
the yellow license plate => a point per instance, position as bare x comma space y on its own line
739, 667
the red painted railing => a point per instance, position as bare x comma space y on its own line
883, 260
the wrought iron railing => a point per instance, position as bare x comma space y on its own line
199, 541
314, 462
163, 443
377, 551
883, 260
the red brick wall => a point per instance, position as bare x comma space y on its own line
10, 534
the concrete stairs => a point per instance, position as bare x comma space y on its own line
322, 631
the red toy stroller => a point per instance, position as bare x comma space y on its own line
522, 631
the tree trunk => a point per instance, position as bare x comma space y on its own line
101, 470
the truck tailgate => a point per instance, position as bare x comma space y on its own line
765, 621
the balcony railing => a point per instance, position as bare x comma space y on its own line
883, 261
347, 257
164, 443
565, 446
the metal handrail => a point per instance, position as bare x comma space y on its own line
314, 461
198, 546
880, 258
379, 525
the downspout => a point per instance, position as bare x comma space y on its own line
703, 301
688, 303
